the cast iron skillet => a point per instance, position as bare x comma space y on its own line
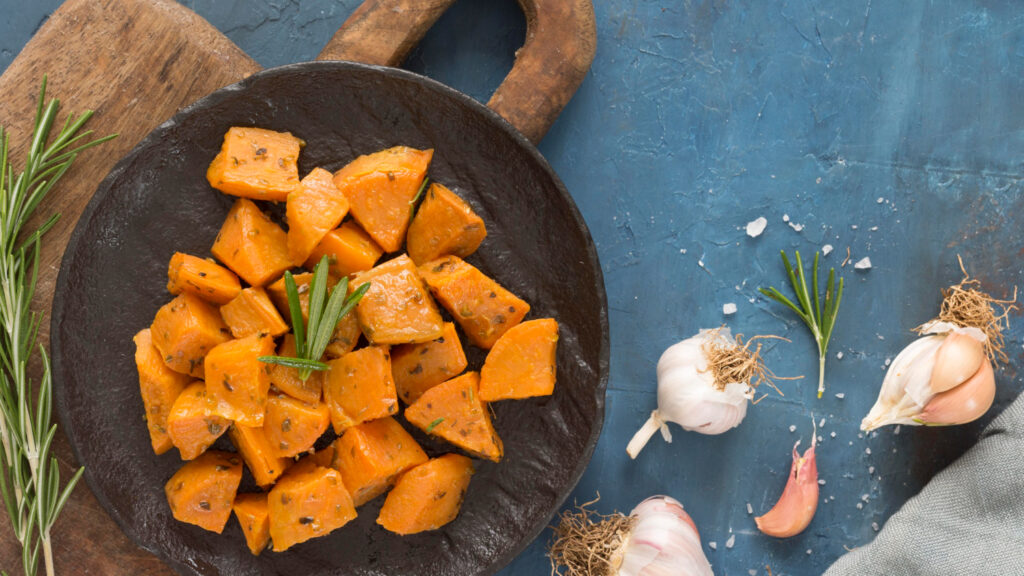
156, 201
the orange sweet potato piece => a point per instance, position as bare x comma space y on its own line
306, 503
313, 210
251, 244
345, 336
397, 308
287, 379
444, 224
349, 249
418, 367
522, 362
160, 386
428, 496
203, 490
480, 305
292, 426
254, 517
192, 425
380, 188
252, 312
370, 457
359, 387
454, 411
237, 381
252, 444
204, 278
256, 163
185, 330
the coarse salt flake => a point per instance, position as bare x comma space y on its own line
867, 451
863, 264
826, 249
792, 428
840, 395
833, 434
728, 308
731, 541
874, 526
839, 355
871, 469
756, 227
785, 217
821, 481
713, 545
796, 227
750, 509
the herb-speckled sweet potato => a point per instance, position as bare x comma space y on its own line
444, 224
237, 381
254, 518
397, 308
428, 496
522, 362
418, 367
292, 426
287, 379
185, 330
160, 387
256, 163
204, 278
252, 312
370, 457
454, 411
252, 444
359, 387
203, 491
252, 245
349, 249
192, 424
313, 210
306, 503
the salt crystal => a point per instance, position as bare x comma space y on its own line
796, 227
756, 227
871, 469
713, 545
840, 395
860, 506
785, 217
752, 572
821, 481
822, 423
700, 262
888, 361
867, 451
731, 541
863, 264
880, 200
833, 434
682, 250
839, 355
792, 428
874, 526
750, 509
864, 497
873, 229
896, 432
728, 308
809, 551
826, 249
854, 227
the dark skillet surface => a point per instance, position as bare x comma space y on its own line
156, 201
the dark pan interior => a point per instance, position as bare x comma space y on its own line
157, 201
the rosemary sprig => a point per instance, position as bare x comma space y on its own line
29, 474
312, 337
819, 316
416, 198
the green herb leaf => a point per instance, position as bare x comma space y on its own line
317, 296
301, 363
434, 425
295, 311
416, 198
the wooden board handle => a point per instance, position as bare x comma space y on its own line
561, 39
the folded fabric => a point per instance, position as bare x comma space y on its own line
968, 520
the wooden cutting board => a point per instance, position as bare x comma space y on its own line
136, 63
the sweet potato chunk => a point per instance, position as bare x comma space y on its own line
397, 308
237, 381
252, 444
418, 367
185, 330
252, 312
345, 336
314, 209
253, 515
380, 188
308, 503
192, 424
160, 386
203, 490
349, 249
444, 224
256, 163
359, 387
480, 305
252, 245
370, 457
522, 362
292, 426
287, 379
454, 411
428, 496
204, 278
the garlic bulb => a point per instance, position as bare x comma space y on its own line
688, 394
942, 378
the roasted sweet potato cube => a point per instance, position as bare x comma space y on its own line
380, 188
256, 163
307, 503
255, 449
480, 305
252, 312
237, 381
252, 245
522, 362
349, 249
418, 367
203, 490
279, 294
292, 426
204, 278
185, 330
254, 518
160, 387
454, 411
444, 224
359, 387
287, 379
345, 336
192, 424
370, 457
428, 496
397, 308
313, 210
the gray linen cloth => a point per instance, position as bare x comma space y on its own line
969, 520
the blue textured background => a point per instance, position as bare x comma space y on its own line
893, 128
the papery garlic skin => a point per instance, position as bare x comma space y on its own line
664, 542
935, 365
687, 395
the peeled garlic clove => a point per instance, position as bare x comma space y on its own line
799, 501
965, 403
958, 358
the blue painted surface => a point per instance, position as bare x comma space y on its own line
893, 128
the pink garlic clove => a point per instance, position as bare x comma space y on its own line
965, 403
957, 359
799, 501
